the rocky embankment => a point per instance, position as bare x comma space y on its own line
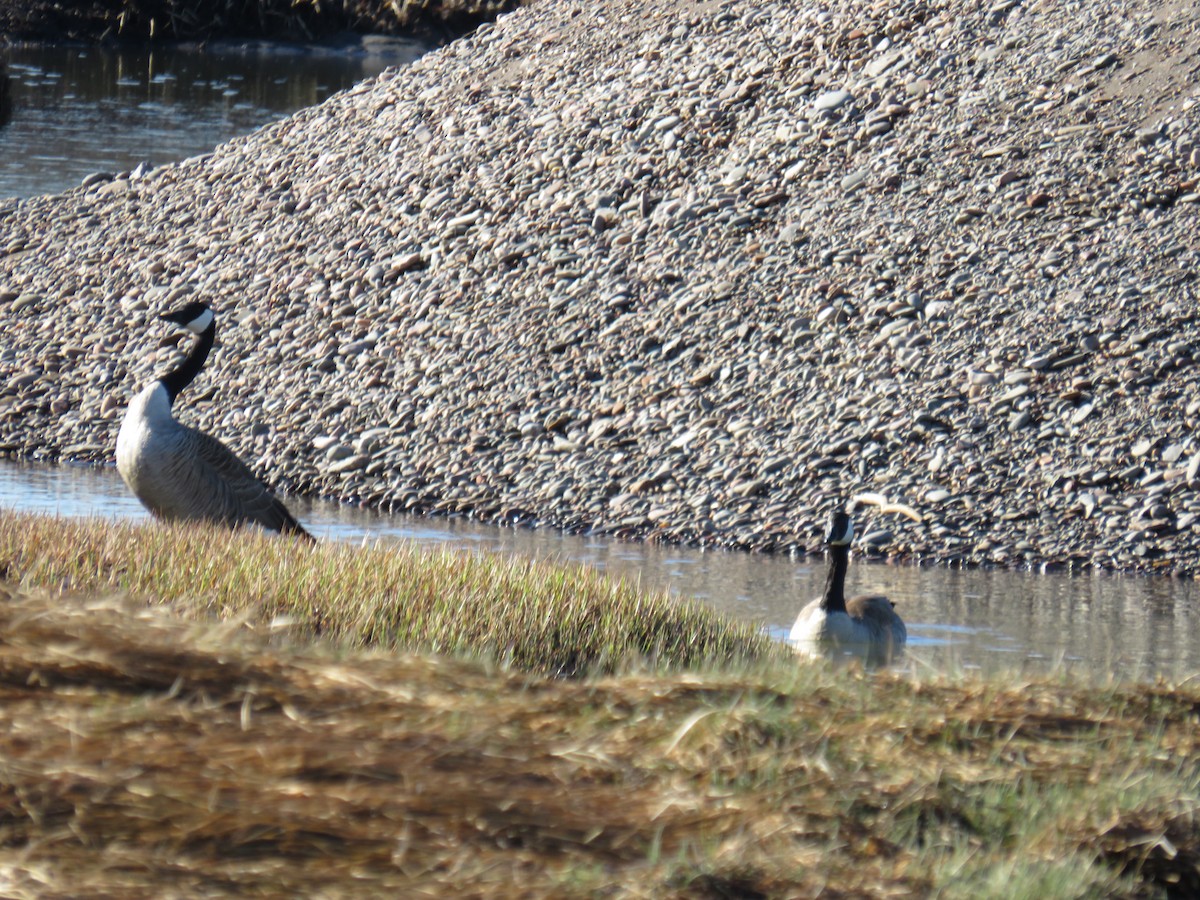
686, 271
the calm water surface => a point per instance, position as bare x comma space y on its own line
84, 109
1130, 627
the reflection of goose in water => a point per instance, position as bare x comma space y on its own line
864, 624
182, 473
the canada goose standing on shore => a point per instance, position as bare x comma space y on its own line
179, 472
865, 623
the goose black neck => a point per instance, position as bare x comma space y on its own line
834, 599
177, 379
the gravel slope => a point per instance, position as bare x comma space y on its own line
692, 271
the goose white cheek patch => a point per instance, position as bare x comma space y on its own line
845, 538
202, 321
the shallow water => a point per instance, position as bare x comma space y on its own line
79, 109
957, 620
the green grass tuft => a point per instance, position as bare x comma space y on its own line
562, 620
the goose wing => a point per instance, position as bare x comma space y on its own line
869, 604
878, 614
237, 494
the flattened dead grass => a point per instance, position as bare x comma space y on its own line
158, 738
143, 756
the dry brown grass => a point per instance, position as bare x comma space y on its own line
146, 755
142, 756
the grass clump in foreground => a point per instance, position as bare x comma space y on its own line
534, 616
144, 755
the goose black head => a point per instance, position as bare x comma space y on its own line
841, 529
195, 317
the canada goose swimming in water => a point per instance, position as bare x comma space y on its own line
179, 472
867, 623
